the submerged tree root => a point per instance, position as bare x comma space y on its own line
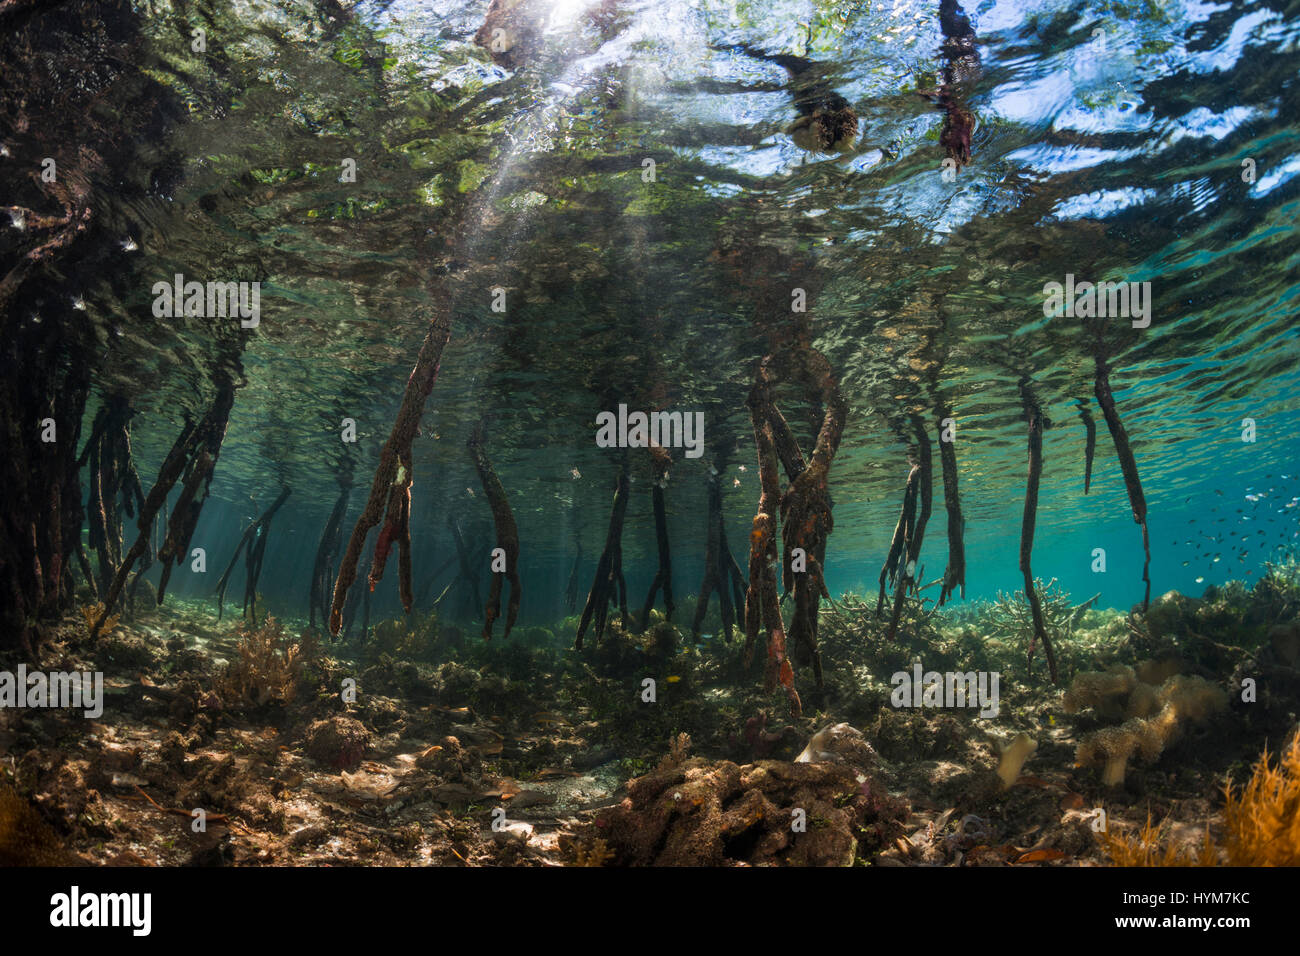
954, 575
1036, 421
806, 521
326, 552
902, 532
663, 579
1128, 467
571, 588
1090, 445
507, 538
608, 584
197, 481
721, 573
913, 536
805, 518
194, 454
108, 453
390, 493
961, 59
467, 576
253, 544
762, 606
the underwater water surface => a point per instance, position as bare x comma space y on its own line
973, 331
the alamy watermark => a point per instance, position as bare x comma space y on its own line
77, 909
649, 430
1083, 300
923, 688
71, 689
211, 300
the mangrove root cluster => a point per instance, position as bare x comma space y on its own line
608, 584
253, 545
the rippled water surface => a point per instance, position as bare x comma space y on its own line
1138, 142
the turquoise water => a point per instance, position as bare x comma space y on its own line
1119, 155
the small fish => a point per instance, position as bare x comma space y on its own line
740, 468
575, 473
735, 482
673, 679
1200, 580
471, 491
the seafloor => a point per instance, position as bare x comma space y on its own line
527, 752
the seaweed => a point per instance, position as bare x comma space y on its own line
267, 668
1261, 824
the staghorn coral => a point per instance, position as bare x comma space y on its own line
1013, 614
1261, 825
1179, 700
267, 670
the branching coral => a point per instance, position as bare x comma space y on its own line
1012, 614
